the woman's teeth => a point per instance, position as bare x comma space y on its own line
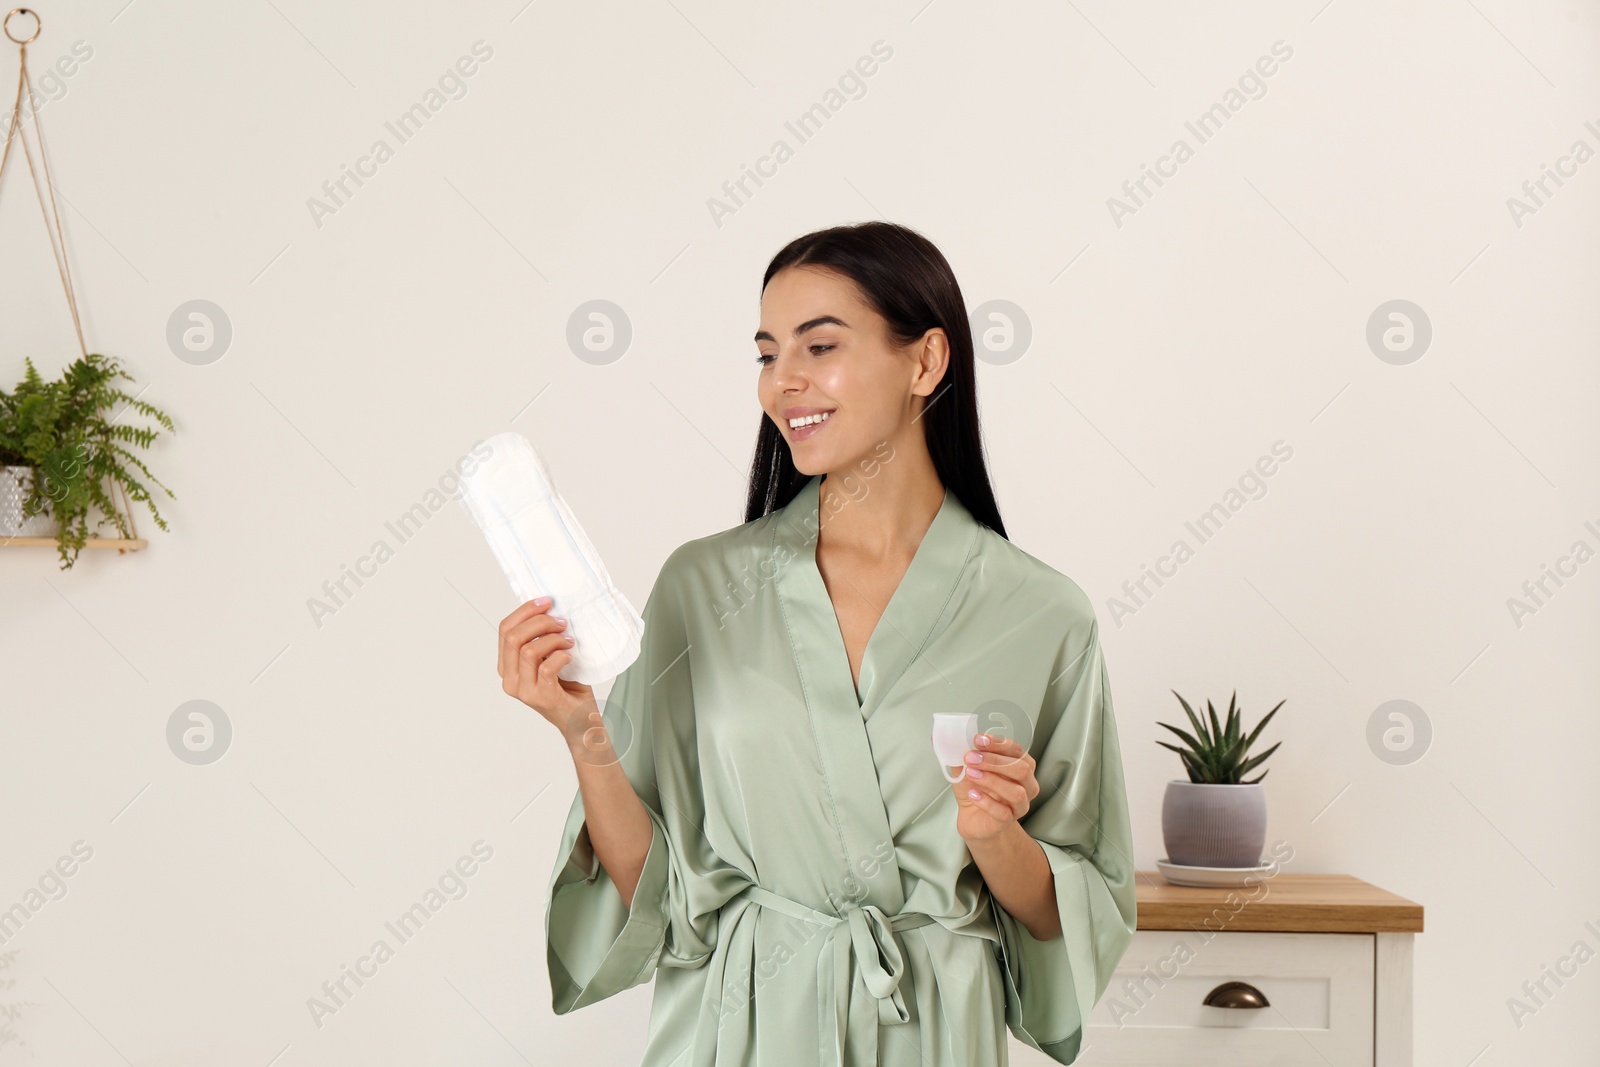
795, 424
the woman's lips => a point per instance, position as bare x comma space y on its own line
810, 429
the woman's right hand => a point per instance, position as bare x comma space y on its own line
533, 649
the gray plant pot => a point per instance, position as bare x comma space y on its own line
1214, 825
14, 485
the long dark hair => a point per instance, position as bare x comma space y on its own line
907, 280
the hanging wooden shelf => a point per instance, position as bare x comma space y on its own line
58, 246
121, 544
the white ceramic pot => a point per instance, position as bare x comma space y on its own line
1207, 825
14, 485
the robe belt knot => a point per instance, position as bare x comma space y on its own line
867, 932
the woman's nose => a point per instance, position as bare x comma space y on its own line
786, 371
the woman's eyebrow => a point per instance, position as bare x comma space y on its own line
810, 324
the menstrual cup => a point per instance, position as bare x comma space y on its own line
953, 734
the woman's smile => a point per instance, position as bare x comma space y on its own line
802, 427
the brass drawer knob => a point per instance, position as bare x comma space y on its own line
1236, 995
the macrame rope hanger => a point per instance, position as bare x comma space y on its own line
52, 216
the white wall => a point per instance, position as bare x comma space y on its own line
1228, 312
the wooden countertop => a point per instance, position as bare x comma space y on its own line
1284, 902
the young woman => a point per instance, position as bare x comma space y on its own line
761, 823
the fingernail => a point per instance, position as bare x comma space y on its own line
983, 739
974, 772
974, 757
568, 638
974, 794
559, 619
541, 600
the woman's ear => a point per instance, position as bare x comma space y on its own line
933, 358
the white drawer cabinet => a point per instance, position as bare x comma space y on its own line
1301, 969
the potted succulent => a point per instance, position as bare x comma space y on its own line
59, 454
1216, 818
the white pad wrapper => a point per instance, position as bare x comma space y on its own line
544, 552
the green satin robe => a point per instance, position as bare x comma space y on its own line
806, 900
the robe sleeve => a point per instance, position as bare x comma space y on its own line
596, 946
1080, 819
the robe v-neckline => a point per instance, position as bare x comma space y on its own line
907, 621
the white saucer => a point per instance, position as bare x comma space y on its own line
1178, 874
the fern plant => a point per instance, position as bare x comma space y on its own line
1217, 755
61, 429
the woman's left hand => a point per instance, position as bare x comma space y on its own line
1004, 783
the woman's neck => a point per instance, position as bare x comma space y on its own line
884, 513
